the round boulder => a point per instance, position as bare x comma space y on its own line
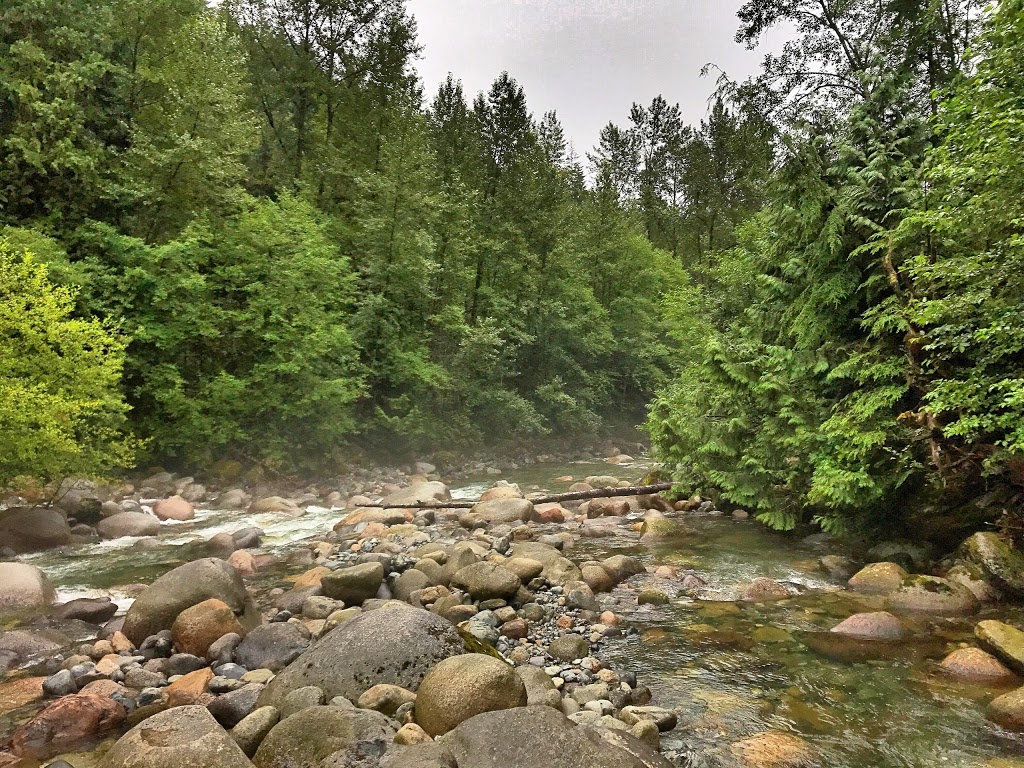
930, 594
879, 625
28, 529
464, 686
128, 524
486, 581
355, 584
878, 578
395, 644
324, 736
974, 664
23, 587
174, 508
1008, 710
272, 646
199, 626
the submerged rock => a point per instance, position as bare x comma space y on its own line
773, 749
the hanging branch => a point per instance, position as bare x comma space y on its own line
596, 493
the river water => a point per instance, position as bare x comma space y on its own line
728, 668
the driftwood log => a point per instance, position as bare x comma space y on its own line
596, 493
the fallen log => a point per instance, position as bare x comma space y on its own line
596, 493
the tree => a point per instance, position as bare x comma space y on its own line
61, 408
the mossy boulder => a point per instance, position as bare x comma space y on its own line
878, 578
997, 559
930, 594
1006, 643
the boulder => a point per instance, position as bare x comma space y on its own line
613, 507
420, 493
253, 729
879, 625
621, 567
509, 510
272, 646
1007, 710
558, 569
94, 610
183, 736
1003, 641
128, 524
524, 567
231, 708
878, 578
461, 687
999, 561
236, 498
395, 644
930, 594
540, 737
67, 723
597, 578
187, 585
174, 508
569, 647
276, 504
324, 737
773, 749
354, 584
976, 665
657, 529
200, 625
386, 699
28, 529
762, 590
23, 587
486, 581
411, 581
502, 490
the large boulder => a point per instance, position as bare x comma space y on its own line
27, 529
200, 625
558, 569
878, 578
395, 644
1008, 710
354, 584
975, 664
421, 493
879, 625
464, 686
187, 585
128, 524
174, 508
999, 561
930, 594
325, 737
66, 724
1003, 641
540, 737
23, 587
498, 511
183, 736
276, 504
486, 581
272, 646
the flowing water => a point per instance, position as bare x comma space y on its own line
730, 669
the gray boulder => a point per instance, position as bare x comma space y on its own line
355, 584
325, 737
464, 686
28, 529
183, 736
395, 644
187, 585
128, 524
271, 646
486, 581
23, 587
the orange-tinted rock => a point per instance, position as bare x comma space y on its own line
549, 513
120, 643
18, 693
880, 625
975, 664
243, 562
311, 578
189, 688
174, 508
198, 627
773, 750
66, 725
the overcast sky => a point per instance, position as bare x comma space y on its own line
587, 59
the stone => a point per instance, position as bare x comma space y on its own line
930, 594
229, 709
271, 646
20, 645
188, 689
773, 749
976, 665
235, 498
525, 568
420, 493
128, 524
93, 610
276, 504
540, 737
879, 625
665, 719
199, 626
187, 585
385, 698
411, 734
621, 567
878, 578
569, 647
174, 508
461, 687
253, 729
184, 736
597, 578
324, 737
549, 513
23, 587
354, 584
1003, 641
498, 511
60, 684
411, 581
29, 529
243, 562
486, 580
657, 529
651, 596
396, 644
612, 507
558, 569
302, 698
65, 724
320, 607
762, 590
1007, 710
999, 561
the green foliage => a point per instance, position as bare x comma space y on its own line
61, 408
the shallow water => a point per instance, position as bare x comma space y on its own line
729, 669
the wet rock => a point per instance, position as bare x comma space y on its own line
651, 596
253, 729
128, 524
998, 560
762, 589
773, 750
621, 567
354, 584
657, 529
976, 665
485, 581
199, 626
880, 625
664, 719
23, 587
396, 644
174, 508
386, 699
500, 511
67, 724
1003, 641
20, 645
461, 687
328, 737
1007, 710
538, 737
276, 504
94, 610
930, 594
184, 736
569, 647
28, 529
187, 585
271, 646
878, 578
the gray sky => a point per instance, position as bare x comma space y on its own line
588, 59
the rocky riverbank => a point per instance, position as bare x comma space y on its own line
408, 637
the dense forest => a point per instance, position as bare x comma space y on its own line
245, 231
